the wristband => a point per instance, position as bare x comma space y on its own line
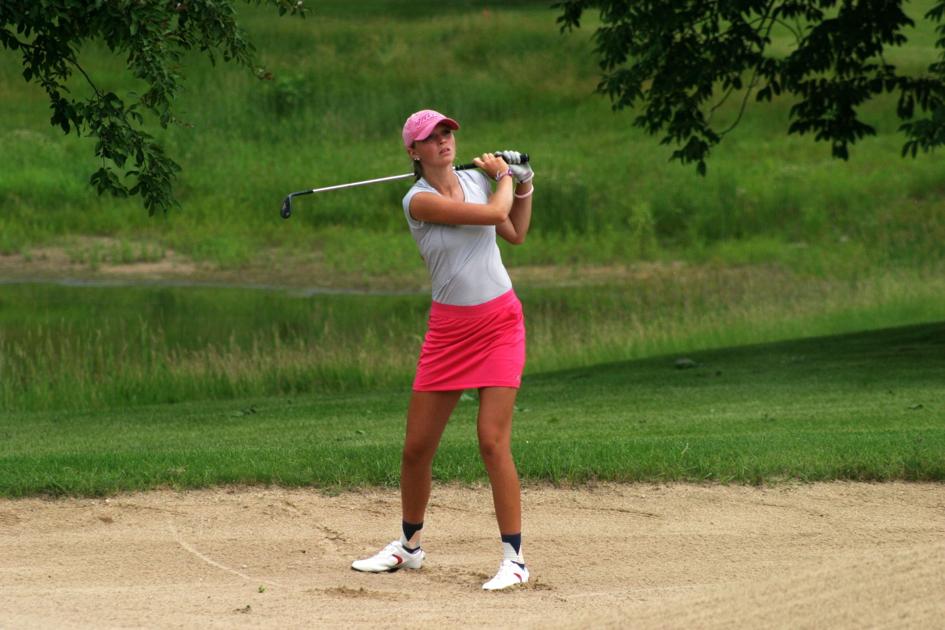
528, 194
499, 176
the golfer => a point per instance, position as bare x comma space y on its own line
476, 331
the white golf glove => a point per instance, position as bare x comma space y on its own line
521, 171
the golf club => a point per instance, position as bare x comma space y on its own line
286, 211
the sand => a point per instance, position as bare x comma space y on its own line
837, 555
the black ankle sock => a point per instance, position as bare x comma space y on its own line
409, 530
513, 539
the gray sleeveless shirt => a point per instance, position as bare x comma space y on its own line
463, 260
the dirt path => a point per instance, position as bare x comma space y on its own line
834, 555
283, 271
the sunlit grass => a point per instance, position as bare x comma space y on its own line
865, 406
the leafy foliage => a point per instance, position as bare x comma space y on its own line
154, 35
670, 57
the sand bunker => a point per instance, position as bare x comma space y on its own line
838, 555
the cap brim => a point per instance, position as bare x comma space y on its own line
424, 132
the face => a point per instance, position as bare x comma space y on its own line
437, 148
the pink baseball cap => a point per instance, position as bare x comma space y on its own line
421, 124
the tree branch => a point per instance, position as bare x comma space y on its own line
88, 79
754, 76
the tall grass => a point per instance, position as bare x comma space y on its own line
78, 348
345, 78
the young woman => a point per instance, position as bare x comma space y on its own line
476, 330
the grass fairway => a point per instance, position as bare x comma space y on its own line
865, 406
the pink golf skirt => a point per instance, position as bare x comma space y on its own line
468, 347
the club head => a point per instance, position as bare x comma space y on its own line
287, 207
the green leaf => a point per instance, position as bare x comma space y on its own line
51, 33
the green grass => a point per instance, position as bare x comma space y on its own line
78, 348
759, 272
119, 388
344, 80
864, 406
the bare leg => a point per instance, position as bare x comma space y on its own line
496, 405
426, 418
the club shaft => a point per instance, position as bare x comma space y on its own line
364, 183
378, 180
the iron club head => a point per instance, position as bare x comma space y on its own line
287, 207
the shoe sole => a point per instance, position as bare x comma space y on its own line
506, 588
390, 570
520, 583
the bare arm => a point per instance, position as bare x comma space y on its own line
515, 228
439, 209
427, 206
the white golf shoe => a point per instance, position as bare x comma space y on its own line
510, 574
390, 558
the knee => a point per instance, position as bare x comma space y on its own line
493, 448
417, 454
